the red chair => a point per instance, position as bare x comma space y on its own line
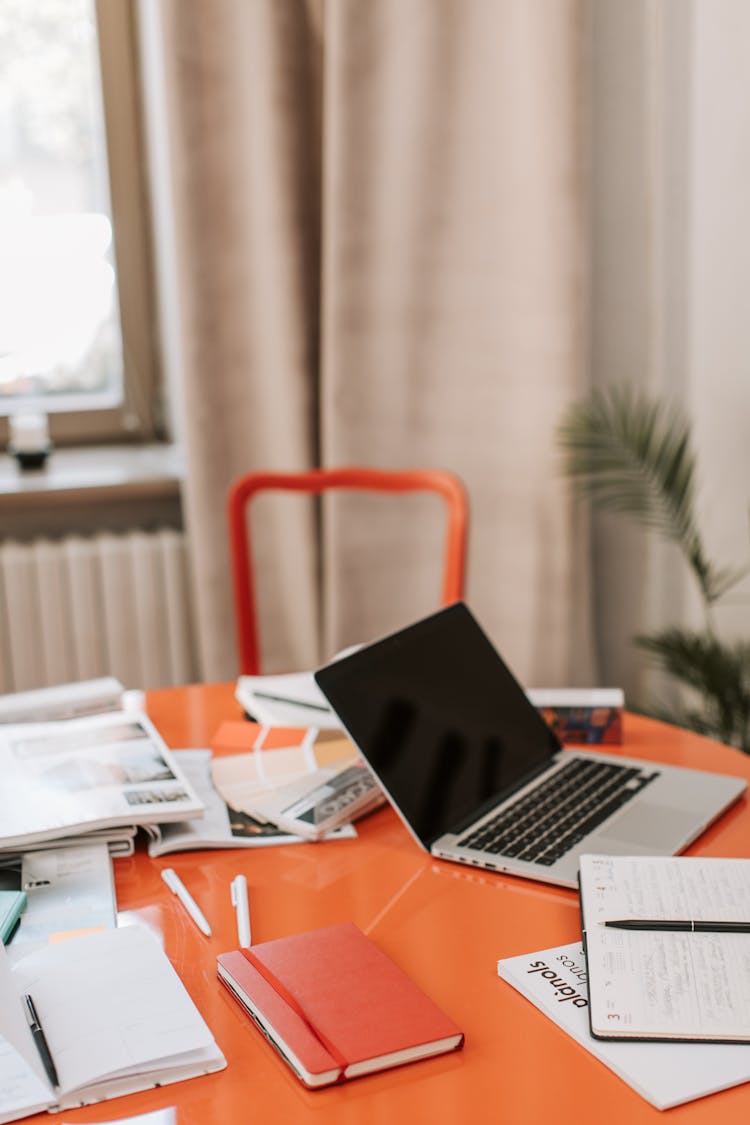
316, 481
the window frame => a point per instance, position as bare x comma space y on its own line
139, 418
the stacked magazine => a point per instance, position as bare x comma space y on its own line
95, 776
79, 766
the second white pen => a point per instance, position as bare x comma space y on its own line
238, 891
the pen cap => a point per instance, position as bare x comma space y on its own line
169, 878
238, 885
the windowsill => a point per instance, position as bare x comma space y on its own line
96, 473
88, 490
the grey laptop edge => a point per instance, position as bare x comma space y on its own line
478, 777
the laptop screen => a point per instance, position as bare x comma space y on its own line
440, 719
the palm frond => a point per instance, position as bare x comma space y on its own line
719, 672
633, 456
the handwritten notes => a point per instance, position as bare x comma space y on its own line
658, 984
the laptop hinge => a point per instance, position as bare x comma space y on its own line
493, 802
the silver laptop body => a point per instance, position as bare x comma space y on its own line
479, 778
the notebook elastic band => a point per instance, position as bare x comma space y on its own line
281, 990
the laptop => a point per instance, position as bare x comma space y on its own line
479, 778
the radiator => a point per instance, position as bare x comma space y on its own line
79, 608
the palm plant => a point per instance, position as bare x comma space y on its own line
633, 456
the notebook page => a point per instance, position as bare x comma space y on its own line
22, 1083
110, 1003
669, 984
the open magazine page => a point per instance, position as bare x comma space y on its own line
101, 771
220, 826
303, 779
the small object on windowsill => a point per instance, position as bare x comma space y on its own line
29, 439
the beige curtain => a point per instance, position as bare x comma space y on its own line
380, 220
670, 161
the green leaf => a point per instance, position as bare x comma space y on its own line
719, 672
633, 456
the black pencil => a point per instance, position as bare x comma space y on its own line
285, 699
692, 926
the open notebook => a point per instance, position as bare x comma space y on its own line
663, 960
115, 1016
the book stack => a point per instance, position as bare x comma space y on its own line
576, 715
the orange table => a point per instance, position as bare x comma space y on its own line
444, 924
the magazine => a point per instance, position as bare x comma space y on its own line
103, 771
665, 1074
220, 826
303, 779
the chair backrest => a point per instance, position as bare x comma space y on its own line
443, 483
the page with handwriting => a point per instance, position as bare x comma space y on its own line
651, 983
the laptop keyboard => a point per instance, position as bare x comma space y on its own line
558, 813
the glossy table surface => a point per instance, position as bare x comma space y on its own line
444, 924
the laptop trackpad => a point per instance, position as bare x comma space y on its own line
647, 826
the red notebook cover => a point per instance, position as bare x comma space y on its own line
335, 1006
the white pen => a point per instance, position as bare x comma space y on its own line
238, 891
177, 887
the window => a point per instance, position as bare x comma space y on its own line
76, 298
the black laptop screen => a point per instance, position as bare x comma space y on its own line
440, 719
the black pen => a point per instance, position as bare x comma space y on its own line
284, 699
41, 1042
694, 926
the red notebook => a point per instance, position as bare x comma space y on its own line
335, 1006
